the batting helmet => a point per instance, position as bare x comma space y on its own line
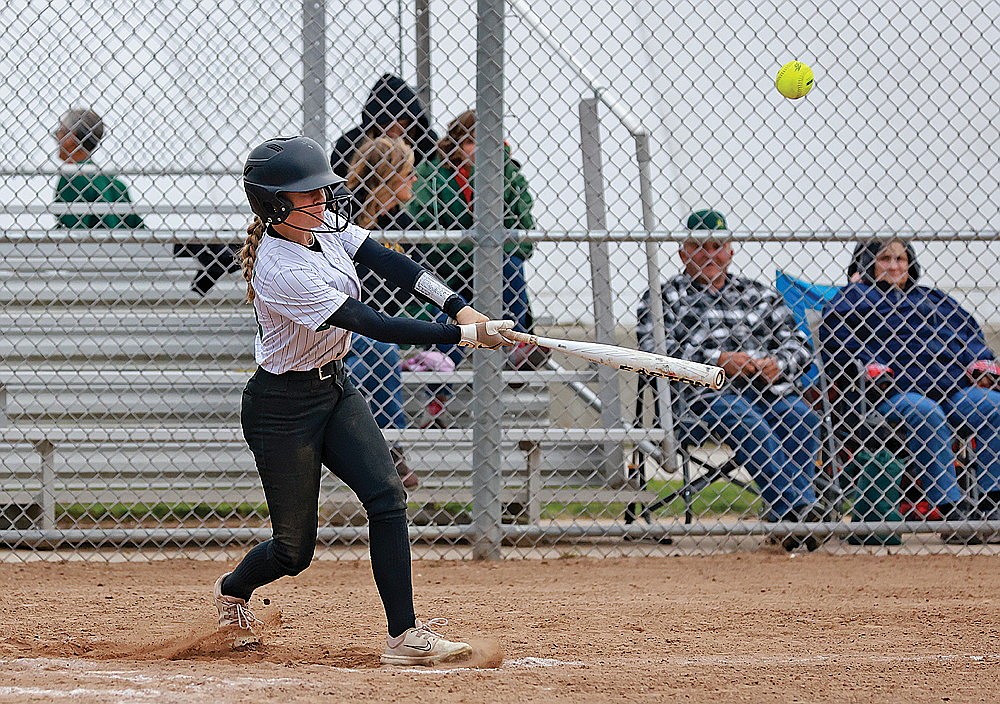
289, 165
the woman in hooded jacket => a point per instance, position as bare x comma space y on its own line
937, 373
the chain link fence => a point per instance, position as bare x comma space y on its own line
841, 265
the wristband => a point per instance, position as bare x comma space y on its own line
433, 289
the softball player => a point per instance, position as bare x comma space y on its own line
300, 410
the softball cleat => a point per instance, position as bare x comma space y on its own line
420, 645
233, 612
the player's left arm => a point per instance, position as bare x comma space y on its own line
407, 275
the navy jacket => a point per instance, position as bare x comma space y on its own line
923, 334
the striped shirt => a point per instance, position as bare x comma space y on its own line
296, 290
701, 323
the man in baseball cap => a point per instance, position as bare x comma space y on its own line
706, 220
713, 317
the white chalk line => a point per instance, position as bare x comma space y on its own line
823, 659
90, 669
518, 664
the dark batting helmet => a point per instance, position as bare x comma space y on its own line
290, 165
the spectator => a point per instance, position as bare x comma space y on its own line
78, 134
392, 110
214, 260
380, 180
743, 326
932, 370
443, 200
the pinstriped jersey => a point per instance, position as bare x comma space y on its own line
296, 290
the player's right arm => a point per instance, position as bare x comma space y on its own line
357, 317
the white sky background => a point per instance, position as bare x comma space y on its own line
901, 131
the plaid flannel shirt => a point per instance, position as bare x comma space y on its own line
701, 323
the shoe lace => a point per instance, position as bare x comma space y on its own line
243, 615
430, 624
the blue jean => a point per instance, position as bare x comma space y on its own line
374, 366
928, 427
776, 438
515, 305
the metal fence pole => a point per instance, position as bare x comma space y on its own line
664, 411
314, 70
600, 276
422, 30
489, 233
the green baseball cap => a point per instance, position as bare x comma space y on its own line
706, 220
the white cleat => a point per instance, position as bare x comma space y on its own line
422, 646
233, 611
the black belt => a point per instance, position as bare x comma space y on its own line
331, 370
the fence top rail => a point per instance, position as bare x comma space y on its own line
124, 208
35, 378
14, 235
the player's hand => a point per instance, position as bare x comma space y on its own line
985, 373
486, 334
469, 316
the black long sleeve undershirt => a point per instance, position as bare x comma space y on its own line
355, 316
401, 271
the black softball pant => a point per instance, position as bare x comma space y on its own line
294, 424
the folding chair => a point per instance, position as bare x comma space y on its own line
806, 301
690, 433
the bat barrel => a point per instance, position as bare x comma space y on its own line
630, 360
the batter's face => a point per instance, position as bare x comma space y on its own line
707, 261
892, 265
308, 208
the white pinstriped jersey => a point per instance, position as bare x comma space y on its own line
296, 290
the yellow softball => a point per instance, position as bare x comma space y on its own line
794, 80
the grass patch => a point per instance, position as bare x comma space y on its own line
714, 500
142, 511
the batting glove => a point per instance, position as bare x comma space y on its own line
485, 335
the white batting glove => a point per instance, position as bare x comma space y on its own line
485, 335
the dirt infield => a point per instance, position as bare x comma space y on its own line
761, 627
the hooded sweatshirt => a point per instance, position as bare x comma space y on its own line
921, 333
390, 99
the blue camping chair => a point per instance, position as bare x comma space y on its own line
806, 302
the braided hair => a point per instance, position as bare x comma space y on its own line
248, 253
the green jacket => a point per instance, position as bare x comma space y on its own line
438, 204
93, 186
